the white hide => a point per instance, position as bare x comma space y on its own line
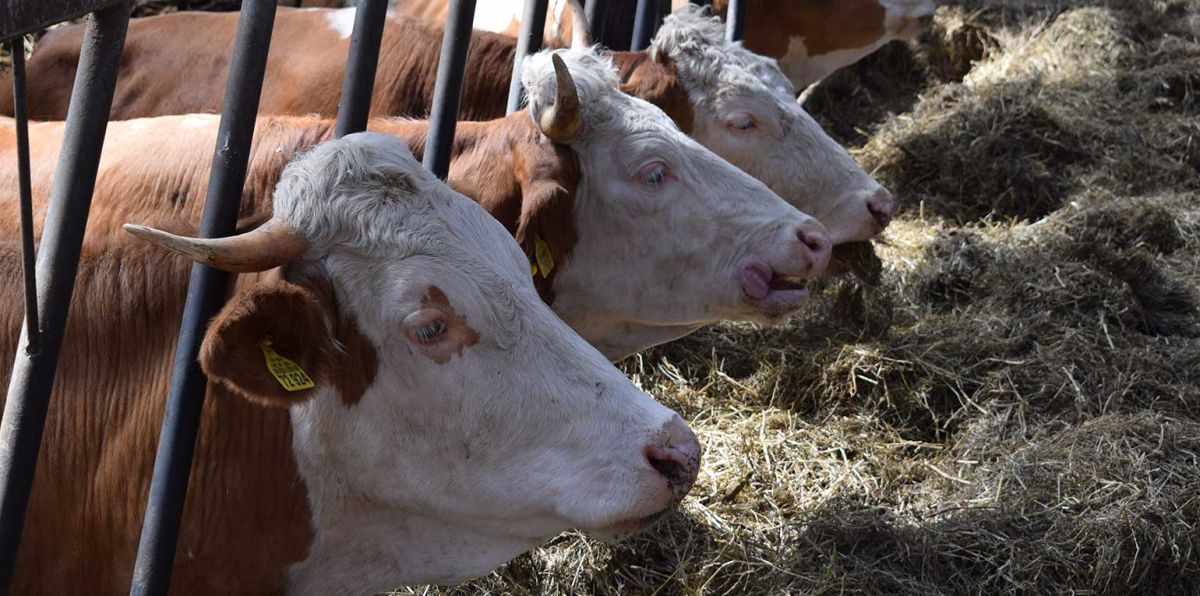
655, 262
785, 148
443, 471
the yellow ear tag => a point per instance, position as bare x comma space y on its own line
541, 251
288, 373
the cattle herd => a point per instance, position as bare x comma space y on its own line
411, 381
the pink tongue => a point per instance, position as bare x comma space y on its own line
756, 279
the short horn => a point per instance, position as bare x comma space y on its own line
270, 245
562, 121
581, 31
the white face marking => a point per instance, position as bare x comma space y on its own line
341, 20
449, 466
746, 112
666, 228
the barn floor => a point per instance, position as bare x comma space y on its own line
1012, 404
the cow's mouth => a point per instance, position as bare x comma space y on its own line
770, 291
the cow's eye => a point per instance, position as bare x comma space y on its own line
430, 331
653, 174
742, 122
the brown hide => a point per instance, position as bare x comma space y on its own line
245, 518
177, 64
156, 168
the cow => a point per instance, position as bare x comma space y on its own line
389, 400
637, 235
810, 38
732, 101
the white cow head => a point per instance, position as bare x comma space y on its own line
455, 422
669, 236
745, 111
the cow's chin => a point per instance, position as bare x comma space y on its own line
619, 531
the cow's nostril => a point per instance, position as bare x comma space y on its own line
815, 241
673, 470
882, 207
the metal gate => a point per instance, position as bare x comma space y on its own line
49, 283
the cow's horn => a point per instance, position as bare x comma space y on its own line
562, 121
270, 245
581, 31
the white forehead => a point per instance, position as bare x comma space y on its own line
605, 107
711, 67
367, 191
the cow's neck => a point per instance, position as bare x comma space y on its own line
658, 82
363, 546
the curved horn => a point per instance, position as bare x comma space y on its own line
272, 244
562, 121
581, 30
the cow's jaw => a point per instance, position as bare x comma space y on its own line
367, 549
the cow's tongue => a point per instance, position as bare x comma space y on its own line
756, 280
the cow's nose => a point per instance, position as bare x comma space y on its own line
817, 246
676, 456
882, 206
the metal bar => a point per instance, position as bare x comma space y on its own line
205, 296
21, 116
21, 17
735, 20
62, 239
533, 25
358, 82
644, 24
595, 11
447, 92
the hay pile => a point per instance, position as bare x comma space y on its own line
1013, 406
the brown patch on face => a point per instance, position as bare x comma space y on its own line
458, 335
657, 82
824, 26
353, 359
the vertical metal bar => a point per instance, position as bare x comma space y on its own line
735, 20
359, 80
206, 294
644, 24
447, 92
533, 25
21, 115
62, 239
595, 11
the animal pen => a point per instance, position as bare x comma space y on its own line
50, 282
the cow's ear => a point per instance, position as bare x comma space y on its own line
549, 179
269, 344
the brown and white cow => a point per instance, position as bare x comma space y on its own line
452, 423
810, 38
732, 101
638, 234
